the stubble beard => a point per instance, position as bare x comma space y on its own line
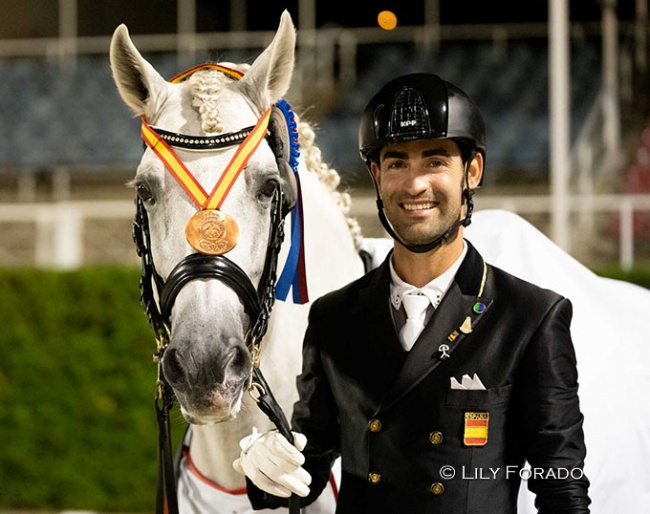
425, 230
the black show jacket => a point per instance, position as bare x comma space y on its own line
405, 437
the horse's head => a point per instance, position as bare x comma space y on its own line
210, 311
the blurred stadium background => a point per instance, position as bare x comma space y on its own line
69, 144
75, 387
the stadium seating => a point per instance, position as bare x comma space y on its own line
56, 114
510, 85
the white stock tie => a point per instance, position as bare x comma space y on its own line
415, 306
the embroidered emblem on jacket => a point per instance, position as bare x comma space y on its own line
476, 428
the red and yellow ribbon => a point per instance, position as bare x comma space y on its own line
185, 177
236, 74
238, 161
174, 164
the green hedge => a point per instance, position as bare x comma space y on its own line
638, 275
77, 388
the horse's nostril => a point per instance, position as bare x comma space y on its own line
173, 368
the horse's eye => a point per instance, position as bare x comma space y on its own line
144, 192
268, 188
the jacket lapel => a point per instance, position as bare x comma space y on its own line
380, 352
460, 311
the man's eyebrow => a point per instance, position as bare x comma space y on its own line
394, 154
436, 151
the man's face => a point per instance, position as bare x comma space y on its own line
421, 184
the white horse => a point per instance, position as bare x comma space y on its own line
207, 362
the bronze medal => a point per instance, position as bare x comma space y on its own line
212, 232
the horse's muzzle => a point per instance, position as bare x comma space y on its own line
207, 383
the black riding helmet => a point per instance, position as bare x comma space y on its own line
416, 107
419, 106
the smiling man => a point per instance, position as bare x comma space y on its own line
435, 377
420, 184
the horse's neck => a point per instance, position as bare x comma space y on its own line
332, 258
214, 447
331, 261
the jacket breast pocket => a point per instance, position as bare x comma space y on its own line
478, 398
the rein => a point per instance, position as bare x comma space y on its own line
158, 296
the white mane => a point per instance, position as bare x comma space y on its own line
313, 161
205, 86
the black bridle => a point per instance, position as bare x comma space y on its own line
257, 303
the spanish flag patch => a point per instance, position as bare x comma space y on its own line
476, 428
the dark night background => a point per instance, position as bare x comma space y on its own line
39, 18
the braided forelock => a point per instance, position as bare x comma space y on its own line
206, 86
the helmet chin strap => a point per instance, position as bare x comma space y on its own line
426, 247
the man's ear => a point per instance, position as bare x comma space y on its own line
475, 171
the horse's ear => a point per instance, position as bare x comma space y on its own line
140, 85
269, 77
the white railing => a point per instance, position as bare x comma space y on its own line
591, 154
59, 228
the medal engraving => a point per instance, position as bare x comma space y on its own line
212, 232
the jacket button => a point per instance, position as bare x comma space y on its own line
374, 425
437, 488
435, 437
374, 478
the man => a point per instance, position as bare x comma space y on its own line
435, 410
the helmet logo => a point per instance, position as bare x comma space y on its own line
409, 116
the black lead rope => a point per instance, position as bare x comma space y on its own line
166, 498
269, 406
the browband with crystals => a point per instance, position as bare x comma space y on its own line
203, 143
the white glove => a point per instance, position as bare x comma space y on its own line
273, 464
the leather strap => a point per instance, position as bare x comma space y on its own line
203, 143
166, 497
269, 405
200, 266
